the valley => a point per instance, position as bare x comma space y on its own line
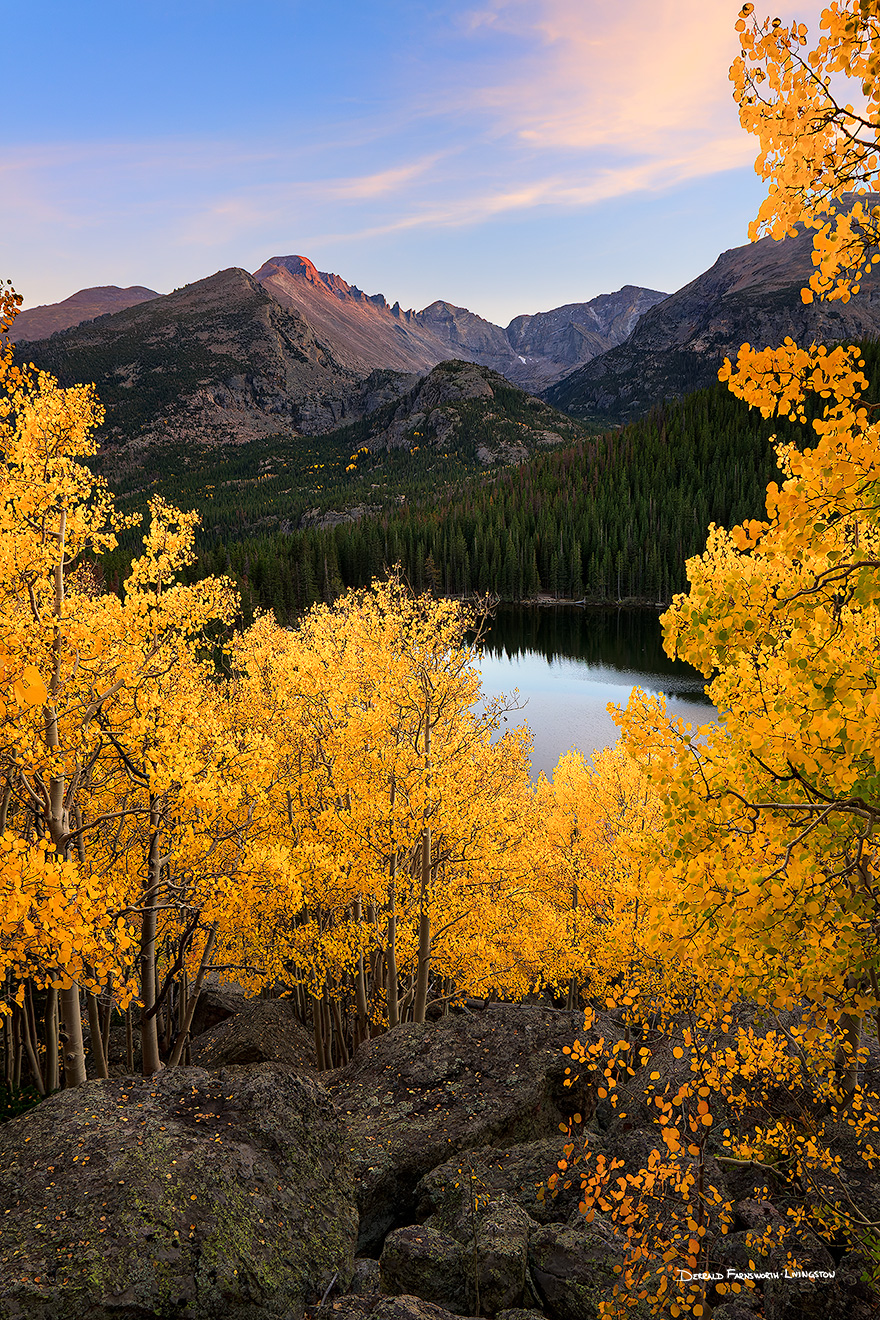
324, 435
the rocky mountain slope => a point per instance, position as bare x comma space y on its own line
218, 361
578, 332
292, 351
533, 351
365, 331
40, 322
458, 420
465, 407
750, 295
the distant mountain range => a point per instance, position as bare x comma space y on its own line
218, 360
752, 295
293, 350
40, 322
532, 351
226, 373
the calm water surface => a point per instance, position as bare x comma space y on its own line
568, 662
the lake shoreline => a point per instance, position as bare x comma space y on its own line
569, 661
542, 601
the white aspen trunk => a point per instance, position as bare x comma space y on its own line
360, 983
186, 1022
106, 1016
97, 1040
327, 1027
16, 1047
340, 1033
51, 1025
150, 1059
392, 1007
318, 1026
421, 993
391, 1000
129, 1041
31, 1049
420, 1000
74, 1051
70, 1012
7, 1049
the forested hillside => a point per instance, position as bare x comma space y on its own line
612, 517
603, 517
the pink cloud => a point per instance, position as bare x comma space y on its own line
641, 76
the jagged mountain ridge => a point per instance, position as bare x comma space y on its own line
218, 361
532, 351
752, 294
367, 333
85, 305
236, 356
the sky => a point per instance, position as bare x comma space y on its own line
507, 156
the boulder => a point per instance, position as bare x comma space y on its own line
261, 1031
811, 1291
499, 1257
736, 1310
366, 1280
517, 1171
520, 1313
384, 1308
816, 1299
493, 1234
573, 1267
423, 1262
412, 1098
188, 1195
216, 1004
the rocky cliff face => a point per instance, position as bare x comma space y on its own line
216, 361
750, 295
40, 322
553, 342
532, 351
473, 410
365, 332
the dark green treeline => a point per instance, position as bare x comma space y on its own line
613, 517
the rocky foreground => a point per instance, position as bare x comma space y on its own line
401, 1187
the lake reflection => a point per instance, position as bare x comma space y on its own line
570, 662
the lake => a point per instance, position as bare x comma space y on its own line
569, 661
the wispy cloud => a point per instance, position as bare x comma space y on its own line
384, 183
629, 75
512, 108
559, 191
624, 75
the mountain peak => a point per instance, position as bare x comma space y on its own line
294, 265
303, 269
84, 305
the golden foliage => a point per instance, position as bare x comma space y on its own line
815, 147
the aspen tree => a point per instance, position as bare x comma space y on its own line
103, 764
397, 851
763, 876
775, 808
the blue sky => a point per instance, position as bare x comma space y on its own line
508, 156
